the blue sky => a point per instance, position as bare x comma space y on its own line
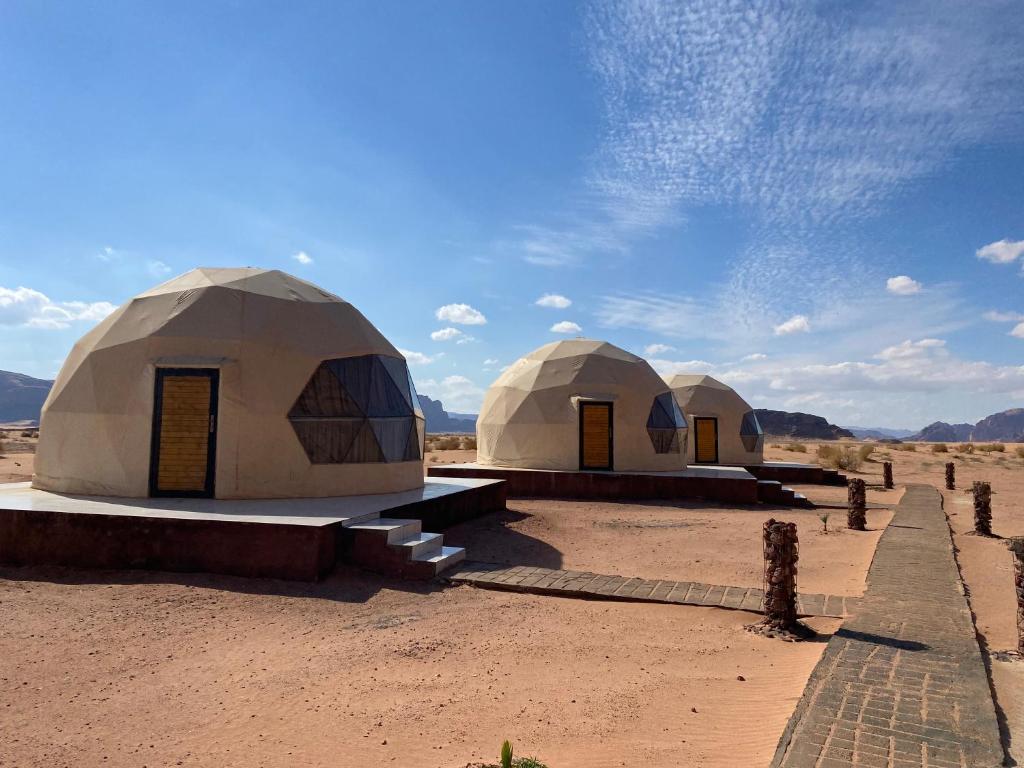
820, 203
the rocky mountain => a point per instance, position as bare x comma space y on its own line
1008, 426
21, 397
879, 433
439, 420
786, 424
941, 432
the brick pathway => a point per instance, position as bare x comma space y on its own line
545, 581
902, 684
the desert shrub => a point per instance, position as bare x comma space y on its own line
796, 447
940, 448
468, 443
912, 447
993, 448
507, 761
836, 457
865, 451
967, 447
29, 433
1020, 451
1, 447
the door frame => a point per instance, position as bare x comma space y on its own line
696, 432
213, 374
611, 434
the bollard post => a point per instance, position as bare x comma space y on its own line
781, 552
950, 476
1017, 551
982, 508
856, 507
887, 474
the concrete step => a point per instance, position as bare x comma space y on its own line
446, 558
394, 529
799, 500
421, 545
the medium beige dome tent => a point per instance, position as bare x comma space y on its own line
723, 426
233, 383
581, 405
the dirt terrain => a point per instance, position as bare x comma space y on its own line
144, 669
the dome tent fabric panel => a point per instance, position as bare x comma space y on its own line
740, 441
530, 417
267, 333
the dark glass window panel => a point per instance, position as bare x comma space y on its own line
365, 448
392, 436
412, 446
399, 373
750, 424
664, 440
327, 442
355, 375
414, 395
386, 398
752, 443
665, 413
324, 396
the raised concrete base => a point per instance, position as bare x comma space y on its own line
792, 472
729, 484
300, 539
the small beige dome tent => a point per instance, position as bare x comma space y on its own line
233, 383
723, 426
581, 405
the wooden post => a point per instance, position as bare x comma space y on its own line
856, 507
781, 552
982, 508
887, 474
1017, 551
950, 476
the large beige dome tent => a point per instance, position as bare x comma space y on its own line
723, 426
232, 383
581, 405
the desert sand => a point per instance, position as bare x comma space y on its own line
147, 669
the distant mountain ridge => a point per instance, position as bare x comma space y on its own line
787, 424
439, 420
22, 397
941, 432
878, 433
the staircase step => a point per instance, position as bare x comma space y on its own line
396, 529
446, 558
422, 545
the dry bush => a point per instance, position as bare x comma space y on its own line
796, 447
836, 457
993, 448
967, 447
468, 443
865, 451
1, 447
940, 448
451, 443
912, 447
1020, 451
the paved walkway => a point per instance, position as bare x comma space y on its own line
902, 684
545, 581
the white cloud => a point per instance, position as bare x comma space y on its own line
490, 361
657, 349
446, 334
909, 348
418, 358
461, 314
795, 324
1001, 251
902, 285
753, 357
1003, 317
107, 253
303, 258
1018, 331
553, 301
158, 269
566, 326
33, 309
458, 393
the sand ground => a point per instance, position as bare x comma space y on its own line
141, 669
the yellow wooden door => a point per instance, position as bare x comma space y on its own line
595, 436
705, 433
185, 423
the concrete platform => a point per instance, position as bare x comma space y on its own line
298, 539
729, 484
790, 472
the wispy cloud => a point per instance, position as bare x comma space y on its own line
419, 358
33, 309
447, 334
1018, 331
460, 314
303, 258
553, 301
652, 350
902, 285
795, 324
566, 326
1003, 317
457, 392
1001, 251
